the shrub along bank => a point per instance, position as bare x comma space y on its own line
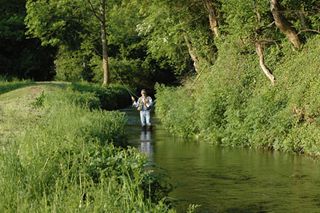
233, 104
111, 97
67, 160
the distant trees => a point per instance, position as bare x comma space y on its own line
86, 32
138, 41
231, 103
213, 16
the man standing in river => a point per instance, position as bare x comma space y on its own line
143, 104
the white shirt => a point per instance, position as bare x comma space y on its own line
140, 103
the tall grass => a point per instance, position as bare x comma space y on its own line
69, 161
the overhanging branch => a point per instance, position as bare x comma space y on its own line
94, 11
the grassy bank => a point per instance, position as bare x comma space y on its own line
233, 104
60, 153
6, 86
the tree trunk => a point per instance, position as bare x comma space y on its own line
283, 24
192, 54
264, 68
213, 21
104, 43
302, 18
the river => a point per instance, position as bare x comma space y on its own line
221, 179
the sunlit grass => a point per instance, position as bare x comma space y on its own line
17, 112
60, 153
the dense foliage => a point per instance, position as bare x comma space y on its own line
235, 105
257, 88
75, 31
108, 98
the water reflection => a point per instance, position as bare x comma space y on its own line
146, 146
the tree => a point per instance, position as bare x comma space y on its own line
283, 24
77, 30
213, 16
249, 24
67, 23
178, 32
298, 20
100, 14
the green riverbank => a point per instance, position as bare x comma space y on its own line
233, 104
61, 153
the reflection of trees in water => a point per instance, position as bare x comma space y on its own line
145, 143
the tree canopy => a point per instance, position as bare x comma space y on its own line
146, 41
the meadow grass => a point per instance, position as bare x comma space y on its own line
61, 153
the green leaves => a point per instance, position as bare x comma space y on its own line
55, 22
166, 24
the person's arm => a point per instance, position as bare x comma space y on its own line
134, 102
149, 103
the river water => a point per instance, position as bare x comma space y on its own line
223, 179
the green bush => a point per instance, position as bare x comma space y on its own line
111, 97
174, 107
70, 66
85, 99
235, 105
